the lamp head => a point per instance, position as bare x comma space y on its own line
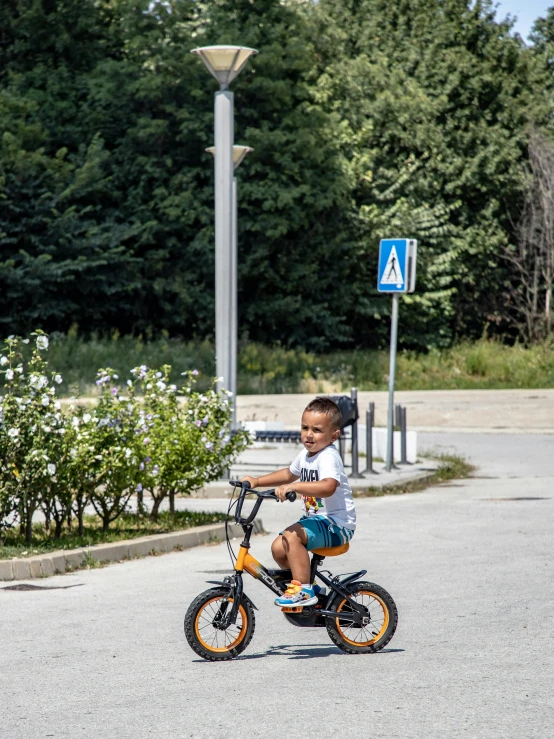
239, 152
224, 62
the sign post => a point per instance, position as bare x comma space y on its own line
396, 275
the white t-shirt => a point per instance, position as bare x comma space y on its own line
326, 463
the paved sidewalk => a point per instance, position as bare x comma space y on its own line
470, 411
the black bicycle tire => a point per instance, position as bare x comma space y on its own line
346, 646
190, 627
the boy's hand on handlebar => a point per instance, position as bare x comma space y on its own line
252, 480
282, 490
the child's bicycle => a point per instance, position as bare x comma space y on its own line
360, 617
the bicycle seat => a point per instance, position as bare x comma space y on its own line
332, 551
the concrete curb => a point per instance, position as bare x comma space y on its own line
54, 563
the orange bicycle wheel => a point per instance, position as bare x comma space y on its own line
204, 635
381, 615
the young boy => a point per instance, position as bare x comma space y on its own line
329, 520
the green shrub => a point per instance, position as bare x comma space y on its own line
135, 438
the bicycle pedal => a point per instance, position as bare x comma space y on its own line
287, 609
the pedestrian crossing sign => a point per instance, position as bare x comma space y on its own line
397, 262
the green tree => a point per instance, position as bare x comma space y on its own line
435, 98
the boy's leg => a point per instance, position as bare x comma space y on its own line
300, 592
278, 552
294, 540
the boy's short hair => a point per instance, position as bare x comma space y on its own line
327, 406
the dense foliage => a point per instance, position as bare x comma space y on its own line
368, 118
59, 461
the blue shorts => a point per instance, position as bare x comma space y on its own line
322, 532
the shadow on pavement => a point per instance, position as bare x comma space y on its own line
302, 651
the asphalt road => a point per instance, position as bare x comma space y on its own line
469, 565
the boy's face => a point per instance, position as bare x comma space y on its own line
317, 432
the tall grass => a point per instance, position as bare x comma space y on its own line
263, 369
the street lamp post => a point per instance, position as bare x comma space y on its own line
239, 153
224, 63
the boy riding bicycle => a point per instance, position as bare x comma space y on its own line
318, 475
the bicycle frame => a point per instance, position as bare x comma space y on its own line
275, 579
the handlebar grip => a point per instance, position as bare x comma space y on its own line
246, 485
291, 496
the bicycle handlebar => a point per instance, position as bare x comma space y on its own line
245, 486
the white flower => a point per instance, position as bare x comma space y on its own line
51, 469
19, 369
25, 341
9, 374
73, 453
45, 400
149, 386
42, 343
57, 405
58, 379
158, 374
39, 381
86, 417
128, 453
129, 383
160, 385
13, 433
116, 377
75, 422
3, 360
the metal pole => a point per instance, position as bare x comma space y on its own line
224, 134
355, 462
234, 309
392, 369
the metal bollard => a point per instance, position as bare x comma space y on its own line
403, 437
355, 461
370, 422
398, 415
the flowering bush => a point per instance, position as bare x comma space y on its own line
32, 430
147, 437
181, 445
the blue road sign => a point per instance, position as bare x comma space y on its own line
393, 266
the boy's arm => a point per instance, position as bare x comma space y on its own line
320, 489
279, 477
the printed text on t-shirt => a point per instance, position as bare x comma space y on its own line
308, 475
